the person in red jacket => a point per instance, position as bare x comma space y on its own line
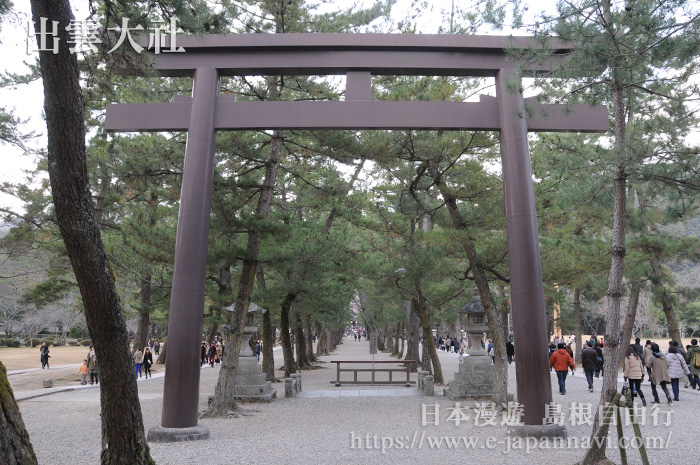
561, 361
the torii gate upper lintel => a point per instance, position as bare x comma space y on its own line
358, 56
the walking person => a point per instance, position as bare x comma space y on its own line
138, 361
692, 358
598, 347
682, 353
639, 348
147, 362
647, 357
633, 370
510, 351
83, 371
258, 349
212, 354
156, 346
218, 351
659, 373
561, 361
589, 359
44, 355
677, 369
203, 355
93, 366
570, 351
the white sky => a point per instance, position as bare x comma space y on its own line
27, 101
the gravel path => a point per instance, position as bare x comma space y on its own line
65, 427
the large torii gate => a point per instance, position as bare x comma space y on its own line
358, 57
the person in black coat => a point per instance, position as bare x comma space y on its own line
589, 361
599, 361
510, 351
147, 362
203, 355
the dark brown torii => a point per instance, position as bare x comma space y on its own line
358, 57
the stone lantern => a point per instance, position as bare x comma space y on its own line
250, 382
475, 325
474, 380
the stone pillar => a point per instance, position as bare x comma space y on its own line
429, 385
288, 387
297, 381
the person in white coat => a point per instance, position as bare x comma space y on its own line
677, 369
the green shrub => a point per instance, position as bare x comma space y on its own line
15, 343
2, 341
73, 343
48, 341
86, 342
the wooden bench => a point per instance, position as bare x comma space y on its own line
405, 369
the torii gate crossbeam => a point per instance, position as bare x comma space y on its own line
358, 56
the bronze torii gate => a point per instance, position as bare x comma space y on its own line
358, 56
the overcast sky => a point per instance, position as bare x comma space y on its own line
27, 100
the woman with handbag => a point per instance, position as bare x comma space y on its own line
633, 372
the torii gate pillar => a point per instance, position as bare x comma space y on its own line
181, 391
534, 386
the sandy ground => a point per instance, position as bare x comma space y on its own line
24, 357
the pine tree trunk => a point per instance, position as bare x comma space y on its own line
425, 360
665, 298
15, 446
381, 334
144, 313
268, 363
389, 338
320, 345
395, 351
309, 339
618, 250
302, 358
578, 326
290, 365
421, 305
123, 439
224, 394
145, 286
212, 332
412, 337
630, 316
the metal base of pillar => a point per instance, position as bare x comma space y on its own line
193, 433
538, 431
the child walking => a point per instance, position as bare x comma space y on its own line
83, 370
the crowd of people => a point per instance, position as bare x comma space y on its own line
663, 369
143, 361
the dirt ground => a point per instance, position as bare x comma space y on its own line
27, 358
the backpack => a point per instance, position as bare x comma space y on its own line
696, 359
